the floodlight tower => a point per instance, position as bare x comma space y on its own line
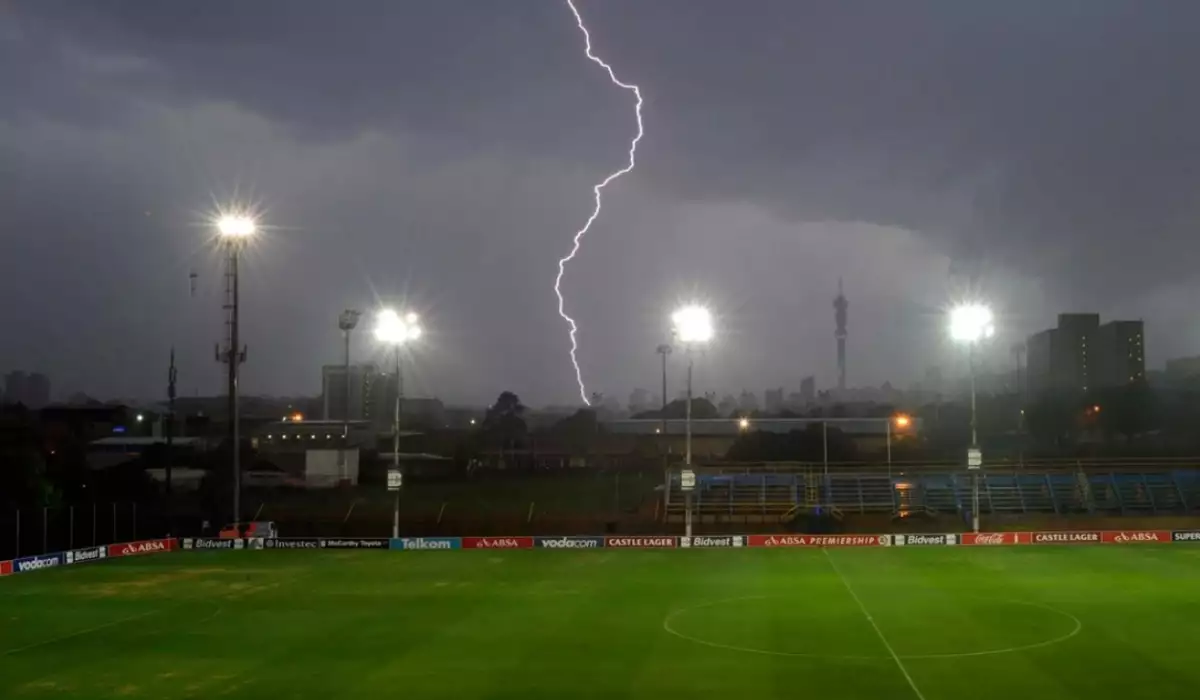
971, 324
397, 330
692, 327
840, 306
664, 350
234, 231
347, 320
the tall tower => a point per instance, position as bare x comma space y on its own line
839, 313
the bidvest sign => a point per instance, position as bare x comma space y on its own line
568, 542
497, 543
44, 561
78, 556
129, 549
427, 543
706, 541
924, 540
212, 543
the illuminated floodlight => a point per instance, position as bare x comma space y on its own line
394, 329
743, 424
902, 421
971, 323
236, 226
692, 324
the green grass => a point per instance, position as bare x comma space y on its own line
963, 622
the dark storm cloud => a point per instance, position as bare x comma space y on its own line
1051, 143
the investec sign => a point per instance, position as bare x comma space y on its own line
568, 542
703, 541
427, 543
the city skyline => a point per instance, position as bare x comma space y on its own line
393, 166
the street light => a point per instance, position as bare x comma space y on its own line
234, 230
692, 327
396, 330
971, 324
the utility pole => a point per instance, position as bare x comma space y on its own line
170, 440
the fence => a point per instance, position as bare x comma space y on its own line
29, 531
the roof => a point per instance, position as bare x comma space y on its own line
144, 441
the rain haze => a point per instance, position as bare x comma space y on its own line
440, 155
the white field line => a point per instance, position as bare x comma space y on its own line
888, 645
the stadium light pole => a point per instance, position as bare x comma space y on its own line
971, 324
397, 330
234, 231
692, 327
664, 350
347, 321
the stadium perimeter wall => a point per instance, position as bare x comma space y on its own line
989, 539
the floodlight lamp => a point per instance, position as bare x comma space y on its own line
693, 324
971, 323
744, 424
394, 329
236, 226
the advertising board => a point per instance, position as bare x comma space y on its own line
497, 543
1089, 537
818, 540
1185, 536
426, 543
292, 543
372, 543
985, 539
924, 540
78, 556
1135, 536
704, 541
568, 542
212, 543
42, 561
129, 549
5, 568
659, 542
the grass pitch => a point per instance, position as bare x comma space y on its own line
924, 624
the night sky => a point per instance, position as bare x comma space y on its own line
440, 154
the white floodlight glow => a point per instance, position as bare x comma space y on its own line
692, 324
971, 323
236, 226
394, 329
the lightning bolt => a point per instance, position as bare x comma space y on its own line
597, 189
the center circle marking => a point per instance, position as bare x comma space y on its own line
668, 626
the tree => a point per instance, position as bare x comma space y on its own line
578, 431
504, 421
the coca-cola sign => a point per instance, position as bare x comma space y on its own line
1134, 536
497, 543
1066, 537
644, 542
817, 540
990, 538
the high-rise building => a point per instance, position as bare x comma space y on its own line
1119, 354
840, 305
808, 390
336, 404
1081, 355
773, 400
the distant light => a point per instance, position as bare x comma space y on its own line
971, 323
236, 226
1096, 408
269, 437
744, 424
472, 421
140, 418
692, 324
903, 421
297, 417
657, 431
119, 429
